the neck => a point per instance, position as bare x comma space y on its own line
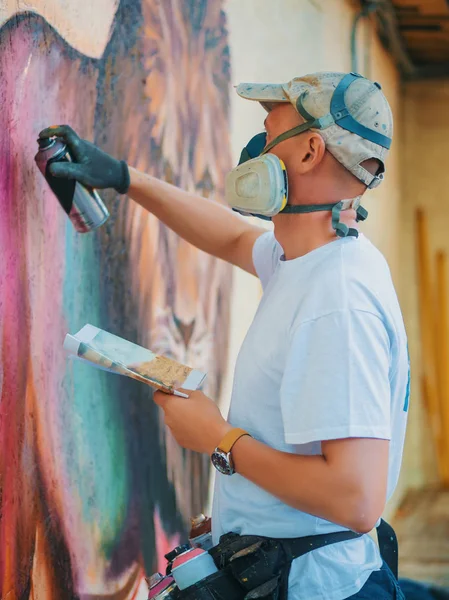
299, 234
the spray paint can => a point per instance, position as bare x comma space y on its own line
192, 567
201, 532
170, 557
161, 588
82, 204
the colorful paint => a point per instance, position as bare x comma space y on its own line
93, 489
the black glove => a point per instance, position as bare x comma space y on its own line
91, 166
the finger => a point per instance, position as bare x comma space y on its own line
67, 134
67, 170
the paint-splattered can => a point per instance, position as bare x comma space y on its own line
192, 567
82, 204
201, 532
170, 557
161, 588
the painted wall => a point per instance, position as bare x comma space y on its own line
92, 488
274, 42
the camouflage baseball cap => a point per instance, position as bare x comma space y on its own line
350, 112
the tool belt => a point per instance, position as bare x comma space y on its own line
255, 567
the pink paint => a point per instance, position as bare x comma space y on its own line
164, 543
42, 459
187, 557
32, 324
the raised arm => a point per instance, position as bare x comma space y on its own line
209, 226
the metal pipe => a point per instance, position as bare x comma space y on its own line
390, 36
368, 6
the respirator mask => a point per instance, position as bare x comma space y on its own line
258, 186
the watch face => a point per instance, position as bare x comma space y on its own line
222, 463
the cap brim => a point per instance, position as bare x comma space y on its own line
262, 92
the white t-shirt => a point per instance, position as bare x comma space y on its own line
325, 358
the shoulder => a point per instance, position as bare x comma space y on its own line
354, 276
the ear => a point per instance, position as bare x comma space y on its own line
313, 151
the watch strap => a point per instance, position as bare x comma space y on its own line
230, 439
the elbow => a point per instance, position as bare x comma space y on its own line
366, 510
364, 524
358, 507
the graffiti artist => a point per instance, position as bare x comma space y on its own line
313, 442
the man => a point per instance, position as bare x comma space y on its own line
318, 413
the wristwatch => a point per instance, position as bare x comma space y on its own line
221, 457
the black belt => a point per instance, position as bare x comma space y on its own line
388, 545
252, 567
386, 536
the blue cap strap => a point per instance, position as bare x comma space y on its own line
342, 117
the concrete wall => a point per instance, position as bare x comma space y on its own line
425, 184
275, 41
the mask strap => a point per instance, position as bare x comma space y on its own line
311, 123
285, 136
306, 208
341, 229
362, 214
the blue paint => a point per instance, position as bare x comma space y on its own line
95, 448
407, 391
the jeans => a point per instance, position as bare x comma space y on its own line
382, 585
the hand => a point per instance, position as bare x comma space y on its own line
91, 166
195, 422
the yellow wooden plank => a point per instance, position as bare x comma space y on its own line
427, 332
442, 359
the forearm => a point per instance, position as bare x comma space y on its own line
310, 484
209, 226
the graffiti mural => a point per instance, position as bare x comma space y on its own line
93, 490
